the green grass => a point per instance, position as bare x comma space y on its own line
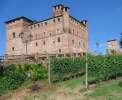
73, 82
110, 91
106, 90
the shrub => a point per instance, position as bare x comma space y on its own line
35, 71
12, 78
120, 83
15, 75
38, 72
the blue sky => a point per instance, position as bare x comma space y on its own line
104, 16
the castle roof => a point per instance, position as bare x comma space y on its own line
112, 40
18, 18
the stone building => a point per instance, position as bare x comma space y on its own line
59, 34
112, 46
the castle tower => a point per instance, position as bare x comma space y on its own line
14, 29
60, 10
57, 10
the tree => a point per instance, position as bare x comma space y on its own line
120, 42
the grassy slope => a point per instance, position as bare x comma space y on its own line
109, 90
74, 90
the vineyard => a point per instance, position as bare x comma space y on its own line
100, 68
66, 68
105, 67
13, 76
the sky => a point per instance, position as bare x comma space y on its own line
104, 17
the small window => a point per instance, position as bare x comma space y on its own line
54, 20
58, 19
45, 23
13, 34
38, 25
44, 42
50, 34
12, 48
59, 50
58, 30
44, 33
36, 44
59, 39
72, 41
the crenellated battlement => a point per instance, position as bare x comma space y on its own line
60, 10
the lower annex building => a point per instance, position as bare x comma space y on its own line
113, 47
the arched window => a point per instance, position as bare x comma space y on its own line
59, 39
58, 19
50, 34
58, 31
44, 42
36, 44
54, 20
13, 34
45, 23
72, 41
59, 50
12, 48
38, 25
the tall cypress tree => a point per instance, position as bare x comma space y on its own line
120, 42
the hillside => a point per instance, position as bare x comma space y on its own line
68, 90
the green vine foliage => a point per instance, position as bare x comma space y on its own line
13, 76
101, 67
105, 67
66, 67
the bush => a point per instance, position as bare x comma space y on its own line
12, 78
14, 75
35, 71
38, 72
120, 83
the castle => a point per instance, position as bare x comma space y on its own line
59, 34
